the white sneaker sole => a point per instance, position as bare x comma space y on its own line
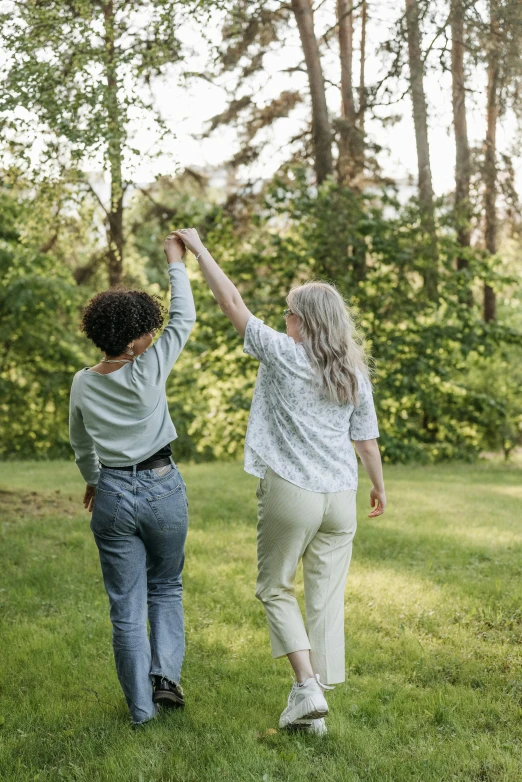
311, 708
317, 728
308, 726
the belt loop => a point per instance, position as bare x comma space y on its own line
134, 470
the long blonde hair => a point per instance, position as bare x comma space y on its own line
330, 339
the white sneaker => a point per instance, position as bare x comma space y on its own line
318, 727
315, 727
305, 702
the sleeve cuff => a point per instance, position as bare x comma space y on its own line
374, 436
248, 345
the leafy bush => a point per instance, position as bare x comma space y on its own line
40, 349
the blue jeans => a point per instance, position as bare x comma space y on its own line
139, 521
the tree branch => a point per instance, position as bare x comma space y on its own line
437, 34
95, 194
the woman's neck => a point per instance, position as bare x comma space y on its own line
117, 360
110, 364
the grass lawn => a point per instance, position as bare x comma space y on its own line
434, 640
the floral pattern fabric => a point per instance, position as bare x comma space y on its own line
293, 428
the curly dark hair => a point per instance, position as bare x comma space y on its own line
114, 318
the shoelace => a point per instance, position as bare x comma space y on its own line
324, 686
296, 684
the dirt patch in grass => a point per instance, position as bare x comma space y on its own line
20, 505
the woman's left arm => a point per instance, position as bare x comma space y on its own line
369, 455
226, 293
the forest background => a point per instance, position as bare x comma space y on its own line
301, 187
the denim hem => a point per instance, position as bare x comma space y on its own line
166, 679
142, 722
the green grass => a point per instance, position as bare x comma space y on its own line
433, 623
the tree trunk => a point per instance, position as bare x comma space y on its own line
321, 129
350, 144
114, 142
490, 167
462, 164
362, 82
420, 120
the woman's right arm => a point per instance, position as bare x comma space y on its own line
155, 364
226, 293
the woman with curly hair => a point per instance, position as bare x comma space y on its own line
312, 398
121, 430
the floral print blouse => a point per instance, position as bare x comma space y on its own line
293, 428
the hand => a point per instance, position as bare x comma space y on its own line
191, 240
88, 499
174, 248
377, 502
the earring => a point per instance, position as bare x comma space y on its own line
129, 351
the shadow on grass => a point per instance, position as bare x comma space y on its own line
473, 570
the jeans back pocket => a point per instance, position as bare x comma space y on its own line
170, 508
105, 510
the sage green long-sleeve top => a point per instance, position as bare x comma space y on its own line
122, 418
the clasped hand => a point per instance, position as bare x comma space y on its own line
178, 242
190, 238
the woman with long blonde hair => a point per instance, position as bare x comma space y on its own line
313, 398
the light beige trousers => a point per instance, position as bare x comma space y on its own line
295, 524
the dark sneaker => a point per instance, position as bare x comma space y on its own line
168, 694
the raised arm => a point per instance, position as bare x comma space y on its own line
156, 363
226, 293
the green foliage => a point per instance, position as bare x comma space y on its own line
77, 78
40, 350
497, 380
66, 59
77, 75
446, 385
